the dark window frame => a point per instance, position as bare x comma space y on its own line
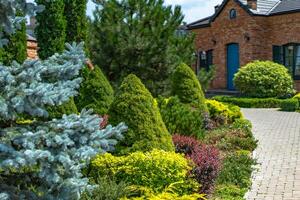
206, 63
283, 57
232, 14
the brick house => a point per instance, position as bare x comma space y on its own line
241, 31
32, 47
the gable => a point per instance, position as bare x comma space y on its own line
264, 8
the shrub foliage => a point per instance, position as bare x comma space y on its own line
206, 159
95, 91
264, 79
182, 118
155, 170
186, 86
135, 106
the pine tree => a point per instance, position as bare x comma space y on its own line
16, 47
95, 91
135, 106
138, 36
51, 28
75, 13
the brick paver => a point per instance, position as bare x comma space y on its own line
278, 155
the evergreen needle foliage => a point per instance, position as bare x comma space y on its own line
16, 47
51, 28
75, 13
95, 91
186, 86
135, 106
138, 36
9, 21
45, 159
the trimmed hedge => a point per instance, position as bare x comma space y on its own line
95, 91
135, 106
264, 79
251, 102
186, 86
290, 105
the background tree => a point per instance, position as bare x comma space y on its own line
138, 36
16, 47
51, 28
75, 13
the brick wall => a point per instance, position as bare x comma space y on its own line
264, 32
32, 49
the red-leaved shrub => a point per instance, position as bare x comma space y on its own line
206, 159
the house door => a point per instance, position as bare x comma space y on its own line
233, 64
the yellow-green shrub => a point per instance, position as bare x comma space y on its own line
223, 113
297, 96
155, 170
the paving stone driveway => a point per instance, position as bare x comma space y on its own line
278, 154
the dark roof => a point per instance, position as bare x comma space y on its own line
30, 38
264, 8
286, 6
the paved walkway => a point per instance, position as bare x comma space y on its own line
278, 155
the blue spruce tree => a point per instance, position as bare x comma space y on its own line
38, 159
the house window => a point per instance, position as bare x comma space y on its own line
232, 14
205, 60
289, 56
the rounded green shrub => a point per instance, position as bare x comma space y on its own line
181, 118
264, 79
135, 106
155, 170
95, 91
186, 86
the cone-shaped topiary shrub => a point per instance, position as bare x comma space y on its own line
186, 86
135, 106
95, 91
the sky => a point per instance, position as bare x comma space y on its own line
192, 9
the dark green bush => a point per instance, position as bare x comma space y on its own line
181, 118
135, 106
237, 169
251, 102
264, 79
186, 86
95, 91
66, 108
290, 105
